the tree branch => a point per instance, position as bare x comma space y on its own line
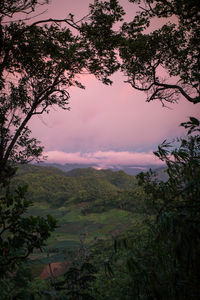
163, 87
29, 251
139, 88
68, 21
26, 19
21, 8
181, 90
38, 100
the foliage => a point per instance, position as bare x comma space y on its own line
163, 62
113, 281
177, 205
77, 280
164, 263
20, 234
17, 285
40, 61
97, 190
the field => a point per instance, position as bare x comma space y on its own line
96, 205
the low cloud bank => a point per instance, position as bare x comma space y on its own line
104, 158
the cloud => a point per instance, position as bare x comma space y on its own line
104, 118
104, 158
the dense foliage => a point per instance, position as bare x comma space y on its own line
163, 62
159, 258
165, 264
98, 190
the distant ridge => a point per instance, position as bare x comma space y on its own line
128, 169
95, 190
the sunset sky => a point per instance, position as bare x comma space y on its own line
107, 125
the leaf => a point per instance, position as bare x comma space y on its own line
194, 121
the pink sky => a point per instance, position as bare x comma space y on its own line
107, 124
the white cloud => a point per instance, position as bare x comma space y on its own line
104, 158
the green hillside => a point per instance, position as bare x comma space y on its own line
98, 203
56, 188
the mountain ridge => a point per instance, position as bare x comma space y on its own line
131, 169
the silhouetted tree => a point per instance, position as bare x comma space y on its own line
163, 62
39, 61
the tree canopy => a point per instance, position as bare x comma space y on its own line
41, 60
163, 62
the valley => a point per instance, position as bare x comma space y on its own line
96, 204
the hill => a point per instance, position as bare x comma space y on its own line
57, 188
98, 203
128, 169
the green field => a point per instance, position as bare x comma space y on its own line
97, 204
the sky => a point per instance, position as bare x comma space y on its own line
107, 125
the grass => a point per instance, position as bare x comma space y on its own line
72, 223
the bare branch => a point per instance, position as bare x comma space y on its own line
26, 19
68, 21
36, 102
26, 7
139, 88
181, 90
85, 17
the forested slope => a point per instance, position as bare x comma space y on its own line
98, 203
100, 190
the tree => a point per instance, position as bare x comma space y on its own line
176, 202
164, 62
78, 278
20, 235
163, 260
40, 61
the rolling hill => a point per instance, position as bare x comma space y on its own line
97, 203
